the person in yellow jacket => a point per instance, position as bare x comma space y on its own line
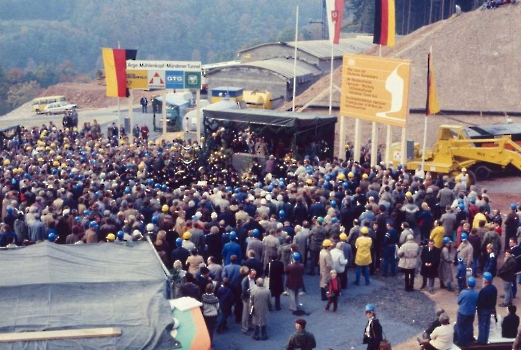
363, 255
480, 216
437, 234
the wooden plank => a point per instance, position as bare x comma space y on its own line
61, 334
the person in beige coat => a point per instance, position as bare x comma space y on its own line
326, 265
465, 250
408, 254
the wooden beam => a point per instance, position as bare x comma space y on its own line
61, 334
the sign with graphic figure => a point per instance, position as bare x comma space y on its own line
375, 89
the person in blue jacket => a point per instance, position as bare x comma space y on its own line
231, 248
467, 301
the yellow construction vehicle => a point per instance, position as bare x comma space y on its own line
482, 150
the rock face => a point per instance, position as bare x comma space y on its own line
476, 62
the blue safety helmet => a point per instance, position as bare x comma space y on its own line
296, 256
471, 282
233, 235
164, 188
282, 214
155, 219
86, 212
77, 219
255, 233
52, 237
369, 307
179, 242
464, 237
93, 224
446, 240
120, 235
333, 204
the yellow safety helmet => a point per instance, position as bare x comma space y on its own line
364, 230
66, 146
164, 208
408, 194
111, 237
187, 235
327, 243
55, 163
40, 159
350, 175
343, 237
463, 169
341, 177
365, 176
7, 162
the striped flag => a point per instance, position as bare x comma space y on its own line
115, 64
335, 11
384, 23
432, 105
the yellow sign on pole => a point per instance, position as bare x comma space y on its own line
375, 89
137, 79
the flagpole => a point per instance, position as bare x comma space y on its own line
295, 64
119, 108
426, 110
331, 80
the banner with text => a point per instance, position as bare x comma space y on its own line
163, 75
375, 89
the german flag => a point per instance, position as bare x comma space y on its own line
115, 64
432, 105
384, 23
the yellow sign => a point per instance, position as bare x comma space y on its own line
137, 79
375, 89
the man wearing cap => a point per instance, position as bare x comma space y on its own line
363, 256
301, 339
507, 273
465, 250
294, 280
316, 237
231, 248
467, 301
446, 262
486, 305
326, 265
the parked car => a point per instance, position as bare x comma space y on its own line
58, 107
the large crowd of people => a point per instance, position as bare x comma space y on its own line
214, 226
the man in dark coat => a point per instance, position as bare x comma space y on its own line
253, 263
180, 253
189, 288
275, 275
294, 281
430, 261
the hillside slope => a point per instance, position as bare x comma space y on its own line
476, 59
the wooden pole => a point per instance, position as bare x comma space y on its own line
342, 138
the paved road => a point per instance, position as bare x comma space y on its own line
343, 330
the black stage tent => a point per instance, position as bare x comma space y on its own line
303, 133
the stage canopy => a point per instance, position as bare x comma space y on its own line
48, 286
297, 130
